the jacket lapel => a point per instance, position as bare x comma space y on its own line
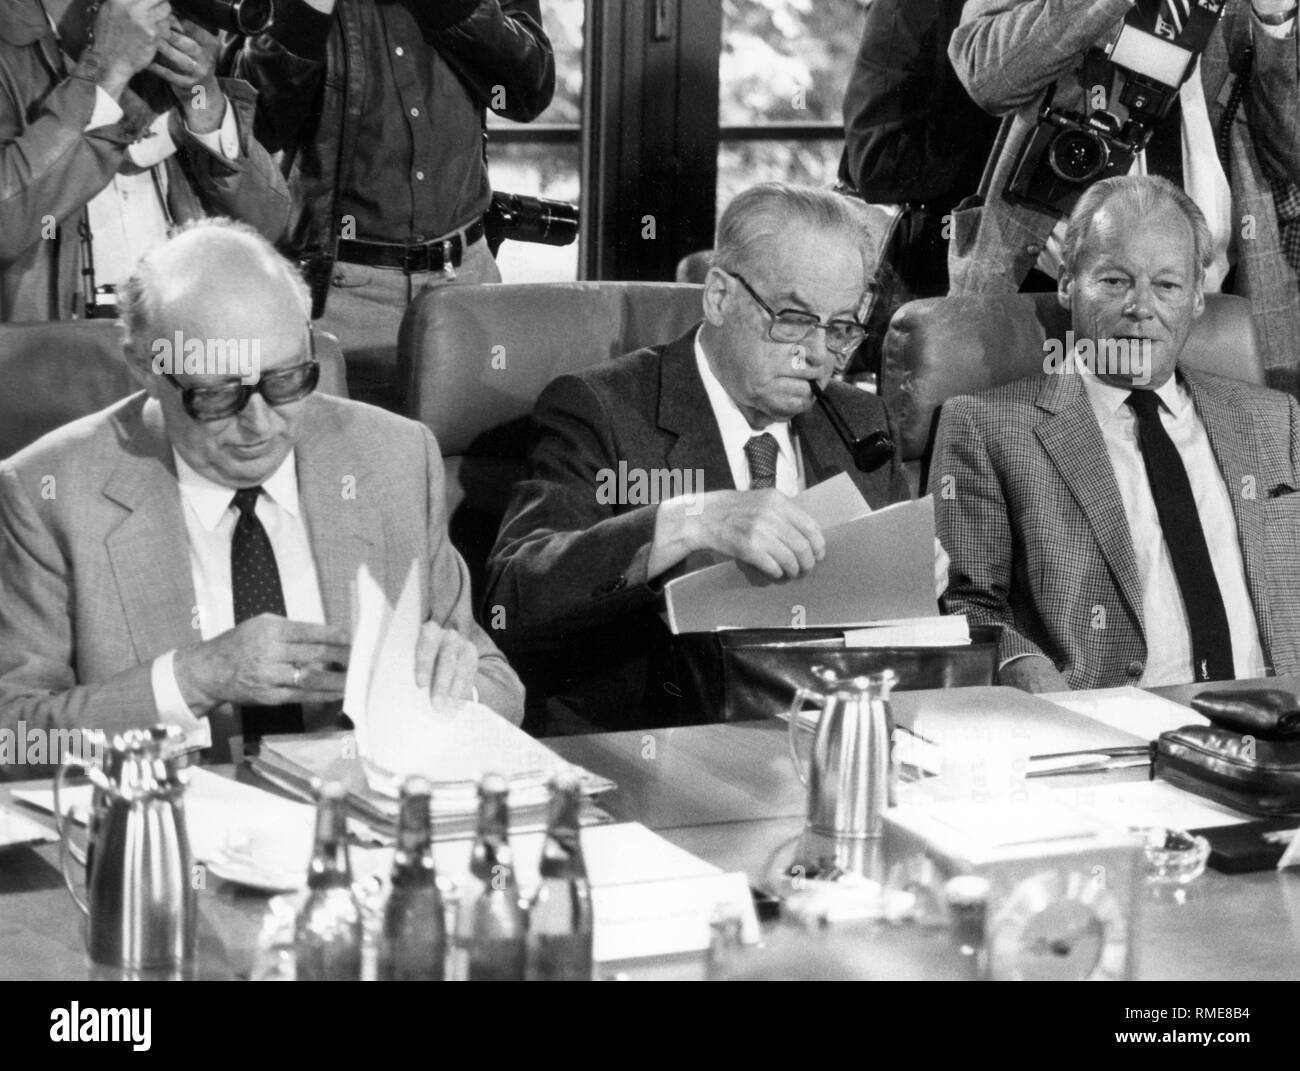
343, 530
148, 551
684, 412
1230, 427
1073, 442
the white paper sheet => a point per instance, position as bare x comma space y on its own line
400, 730
16, 828
1129, 709
877, 567
221, 816
1149, 803
650, 897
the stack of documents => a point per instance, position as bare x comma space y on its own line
293, 763
400, 730
879, 566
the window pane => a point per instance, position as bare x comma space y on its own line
742, 164
787, 60
540, 171
544, 170
562, 21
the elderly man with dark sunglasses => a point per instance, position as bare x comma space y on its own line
186, 555
697, 447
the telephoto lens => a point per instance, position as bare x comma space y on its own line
245, 17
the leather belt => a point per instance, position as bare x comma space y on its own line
434, 255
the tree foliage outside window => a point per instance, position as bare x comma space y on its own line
784, 61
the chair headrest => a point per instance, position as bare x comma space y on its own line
476, 357
938, 348
58, 372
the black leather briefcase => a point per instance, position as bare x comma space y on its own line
1248, 759
741, 674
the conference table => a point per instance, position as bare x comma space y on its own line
728, 794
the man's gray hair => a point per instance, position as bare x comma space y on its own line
761, 213
1143, 196
137, 298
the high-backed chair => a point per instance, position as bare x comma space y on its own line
52, 373
474, 359
941, 347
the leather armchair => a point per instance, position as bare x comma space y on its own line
941, 347
473, 360
53, 373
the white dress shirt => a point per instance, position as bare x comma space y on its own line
1164, 618
129, 216
736, 432
210, 518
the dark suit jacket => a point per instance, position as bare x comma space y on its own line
568, 572
1027, 507
96, 571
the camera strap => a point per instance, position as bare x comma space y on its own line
1186, 23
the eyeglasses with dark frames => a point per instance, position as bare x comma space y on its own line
795, 325
206, 404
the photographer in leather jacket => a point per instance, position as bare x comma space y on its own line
379, 108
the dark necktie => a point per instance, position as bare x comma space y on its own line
255, 582
1185, 538
761, 453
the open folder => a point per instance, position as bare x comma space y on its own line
879, 566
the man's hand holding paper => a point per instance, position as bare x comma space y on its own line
445, 662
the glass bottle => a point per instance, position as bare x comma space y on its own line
560, 921
328, 931
492, 926
413, 946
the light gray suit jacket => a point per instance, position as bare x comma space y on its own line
1007, 52
94, 559
1027, 507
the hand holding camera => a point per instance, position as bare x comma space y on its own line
187, 61
126, 37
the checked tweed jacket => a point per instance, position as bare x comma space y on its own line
1028, 509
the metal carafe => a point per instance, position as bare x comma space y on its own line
140, 902
850, 775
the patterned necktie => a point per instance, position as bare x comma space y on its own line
1185, 538
761, 453
255, 582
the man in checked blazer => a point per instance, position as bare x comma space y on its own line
639, 464
1240, 123
1042, 488
116, 531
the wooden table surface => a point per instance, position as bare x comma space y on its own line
728, 794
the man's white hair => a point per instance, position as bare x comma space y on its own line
139, 297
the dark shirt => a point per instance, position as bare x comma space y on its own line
418, 170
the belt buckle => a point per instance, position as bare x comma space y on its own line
448, 266
415, 259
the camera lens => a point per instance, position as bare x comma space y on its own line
1078, 155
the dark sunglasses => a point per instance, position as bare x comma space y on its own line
287, 385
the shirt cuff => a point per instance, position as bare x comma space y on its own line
224, 141
172, 708
107, 110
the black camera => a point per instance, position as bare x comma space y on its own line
1067, 153
247, 17
529, 219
